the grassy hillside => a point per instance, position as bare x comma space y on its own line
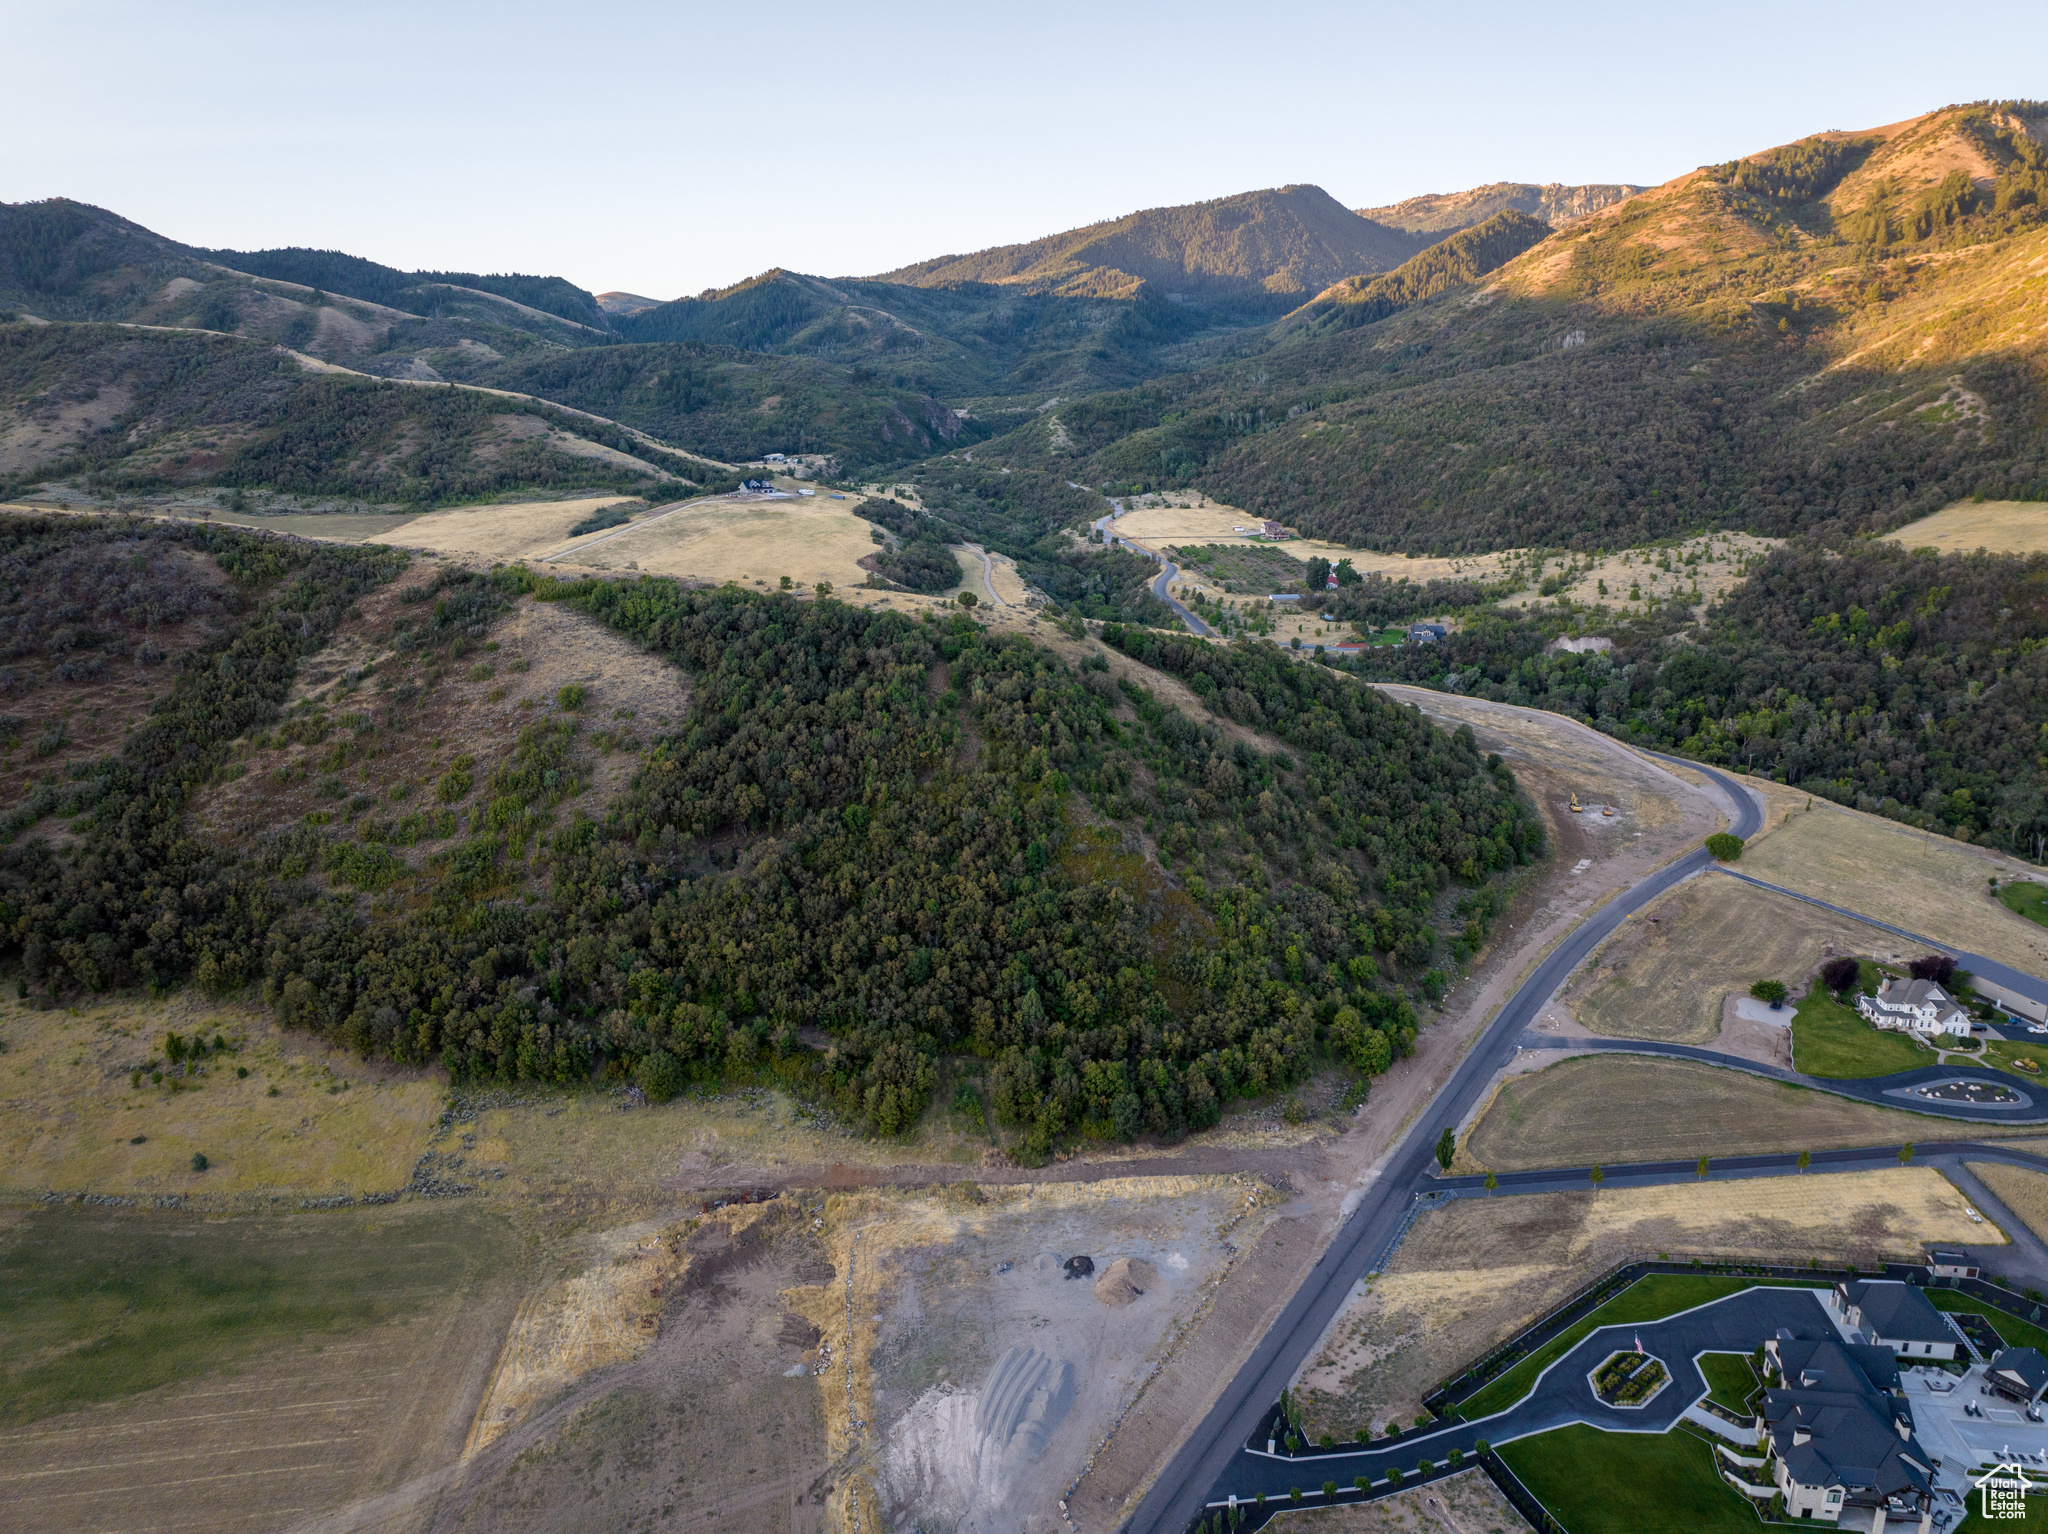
117, 409
1295, 239
1841, 334
917, 835
1442, 213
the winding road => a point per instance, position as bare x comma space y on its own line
1215, 1461
1168, 571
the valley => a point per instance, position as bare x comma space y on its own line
1132, 881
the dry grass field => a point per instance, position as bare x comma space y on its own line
1666, 973
504, 531
2003, 527
1704, 569
1610, 1109
1930, 884
756, 543
306, 1120
253, 1374
2025, 1193
1470, 1273
1468, 1503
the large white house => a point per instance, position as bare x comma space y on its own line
1919, 1007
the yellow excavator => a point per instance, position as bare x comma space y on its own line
1577, 808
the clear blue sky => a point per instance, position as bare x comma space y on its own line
667, 148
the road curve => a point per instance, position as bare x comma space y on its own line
1168, 571
1178, 1495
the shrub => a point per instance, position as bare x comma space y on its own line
198, 1161
572, 697
1938, 967
1772, 991
1726, 847
659, 1075
457, 781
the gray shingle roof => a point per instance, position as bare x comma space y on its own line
1897, 1311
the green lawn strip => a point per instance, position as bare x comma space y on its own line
1650, 1298
1629, 1483
1730, 1380
2016, 1332
1831, 1040
1974, 1522
2025, 899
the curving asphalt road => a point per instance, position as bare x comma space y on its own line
1168, 570
1177, 1497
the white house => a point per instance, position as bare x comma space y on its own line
1919, 1007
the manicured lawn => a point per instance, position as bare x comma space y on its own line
2036, 1521
1730, 1379
1647, 1299
1829, 1039
2025, 899
2004, 1054
2016, 1332
1629, 1483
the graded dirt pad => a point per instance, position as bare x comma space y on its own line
1918, 880
1468, 1503
755, 542
309, 1361
1620, 1108
2002, 527
1472, 1272
2025, 1193
70, 1119
940, 1300
1666, 973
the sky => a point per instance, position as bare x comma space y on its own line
666, 149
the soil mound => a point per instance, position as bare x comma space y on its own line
1125, 1280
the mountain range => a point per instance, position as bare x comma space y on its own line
1836, 333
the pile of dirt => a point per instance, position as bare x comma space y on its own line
1126, 1280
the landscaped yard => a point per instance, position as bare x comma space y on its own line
2016, 1332
1629, 1483
1648, 1299
2006, 1055
2036, 1521
1730, 1380
2025, 899
1829, 1039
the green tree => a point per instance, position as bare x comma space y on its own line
1772, 991
1446, 1147
1905, 1153
1701, 1169
1492, 1182
659, 1075
1805, 1160
1596, 1177
1726, 847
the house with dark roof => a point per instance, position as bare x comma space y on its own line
1426, 633
2018, 1374
1917, 1007
1947, 1262
1840, 1435
1898, 1316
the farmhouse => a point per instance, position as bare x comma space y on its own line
1272, 530
1896, 1315
1919, 1007
1841, 1436
1426, 633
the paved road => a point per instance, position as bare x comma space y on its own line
988, 576
1178, 1495
1168, 571
1562, 1394
1894, 1091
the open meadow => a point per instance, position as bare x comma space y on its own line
1471, 1273
1610, 1109
2002, 527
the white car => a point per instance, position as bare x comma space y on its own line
2037, 1027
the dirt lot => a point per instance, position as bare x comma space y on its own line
1667, 972
1461, 1504
2003, 527
1610, 1109
340, 1355
307, 1121
1472, 1272
1931, 885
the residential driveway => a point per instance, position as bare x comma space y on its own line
1563, 1395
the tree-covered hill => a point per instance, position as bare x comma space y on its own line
917, 835
1462, 258
1842, 334
118, 410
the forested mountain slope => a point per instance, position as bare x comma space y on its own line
1464, 257
120, 410
916, 835
1839, 334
